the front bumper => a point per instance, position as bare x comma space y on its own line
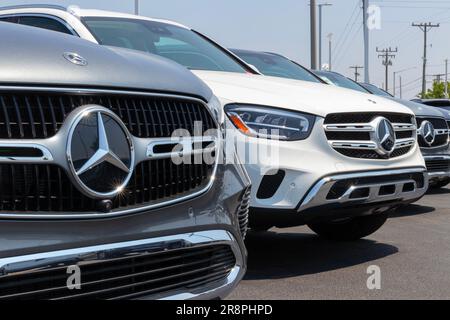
367, 187
349, 195
438, 167
187, 279
305, 163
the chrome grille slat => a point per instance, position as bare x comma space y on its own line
39, 114
127, 275
348, 135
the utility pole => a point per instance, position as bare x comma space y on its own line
387, 54
425, 27
312, 13
329, 36
320, 32
357, 74
136, 7
366, 40
400, 79
446, 79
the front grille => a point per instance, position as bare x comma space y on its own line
29, 115
350, 135
364, 117
46, 188
435, 165
440, 139
126, 277
38, 187
242, 212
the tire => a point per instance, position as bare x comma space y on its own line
440, 184
349, 230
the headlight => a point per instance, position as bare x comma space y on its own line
270, 123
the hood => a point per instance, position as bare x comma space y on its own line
445, 113
33, 56
314, 98
419, 109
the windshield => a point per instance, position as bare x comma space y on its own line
176, 43
443, 104
276, 66
340, 81
375, 90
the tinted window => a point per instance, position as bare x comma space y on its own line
375, 90
277, 66
340, 81
44, 23
444, 104
9, 19
437, 103
176, 43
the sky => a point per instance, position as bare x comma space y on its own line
283, 26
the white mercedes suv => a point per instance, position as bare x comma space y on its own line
338, 160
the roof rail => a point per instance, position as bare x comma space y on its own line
28, 6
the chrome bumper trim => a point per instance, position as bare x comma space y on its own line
317, 196
78, 256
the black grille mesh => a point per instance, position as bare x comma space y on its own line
126, 277
364, 117
37, 187
437, 165
34, 115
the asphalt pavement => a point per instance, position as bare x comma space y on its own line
412, 251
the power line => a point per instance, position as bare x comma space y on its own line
348, 46
343, 36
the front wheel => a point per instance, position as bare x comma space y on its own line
351, 229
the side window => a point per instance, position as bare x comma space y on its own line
9, 19
44, 23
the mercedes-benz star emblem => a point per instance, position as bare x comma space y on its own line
75, 58
100, 152
427, 132
385, 136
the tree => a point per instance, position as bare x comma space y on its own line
437, 91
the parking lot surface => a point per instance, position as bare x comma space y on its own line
412, 250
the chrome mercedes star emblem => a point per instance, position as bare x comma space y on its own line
385, 136
75, 58
103, 152
100, 152
427, 132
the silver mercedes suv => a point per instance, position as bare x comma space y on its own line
92, 202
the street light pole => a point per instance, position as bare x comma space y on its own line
312, 13
330, 36
446, 79
320, 32
136, 7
